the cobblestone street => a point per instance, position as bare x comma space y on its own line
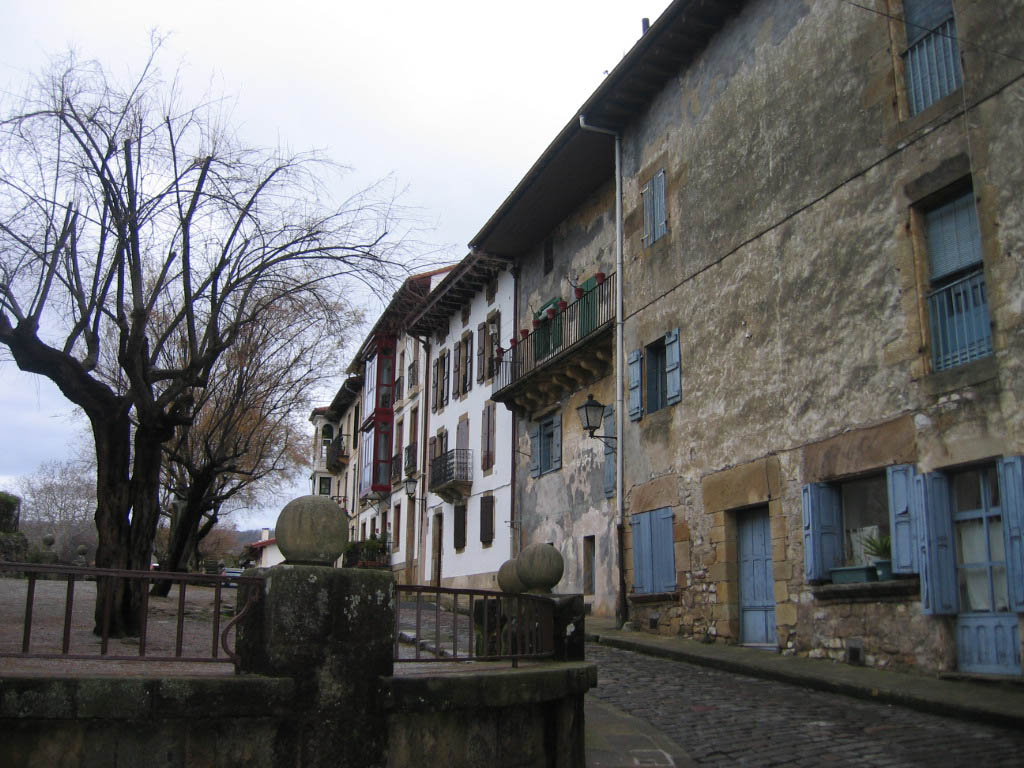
725, 719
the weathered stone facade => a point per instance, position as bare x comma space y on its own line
795, 266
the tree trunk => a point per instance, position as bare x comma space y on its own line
183, 534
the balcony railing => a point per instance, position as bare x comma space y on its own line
399, 389
396, 467
960, 326
579, 320
337, 454
413, 374
455, 466
410, 458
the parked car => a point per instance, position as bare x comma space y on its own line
233, 573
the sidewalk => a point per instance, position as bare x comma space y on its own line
996, 702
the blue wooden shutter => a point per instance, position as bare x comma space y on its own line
937, 557
1011, 495
823, 530
660, 209
535, 451
642, 577
923, 16
673, 369
609, 452
556, 441
902, 523
663, 561
954, 238
646, 196
636, 406
467, 375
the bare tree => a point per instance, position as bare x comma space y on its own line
246, 441
60, 498
129, 223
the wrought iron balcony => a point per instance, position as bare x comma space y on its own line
451, 474
399, 389
337, 454
396, 467
563, 352
410, 458
413, 374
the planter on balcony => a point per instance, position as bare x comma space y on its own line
524, 333
578, 291
563, 305
854, 574
551, 313
600, 276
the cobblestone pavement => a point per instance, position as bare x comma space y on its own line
725, 719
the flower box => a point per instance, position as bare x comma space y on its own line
853, 574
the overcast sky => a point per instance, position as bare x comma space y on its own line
455, 99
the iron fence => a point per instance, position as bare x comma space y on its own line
452, 466
79, 628
560, 333
448, 624
396, 467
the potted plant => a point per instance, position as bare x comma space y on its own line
551, 313
524, 333
880, 549
536, 323
578, 291
563, 305
600, 278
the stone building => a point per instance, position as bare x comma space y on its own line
821, 244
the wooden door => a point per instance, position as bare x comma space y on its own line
757, 595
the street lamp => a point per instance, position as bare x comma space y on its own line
591, 417
410, 486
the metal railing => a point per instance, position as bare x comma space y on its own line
557, 334
453, 466
399, 389
410, 458
413, 374
396, 467
77, 628
337, 454
960, 325
447, 624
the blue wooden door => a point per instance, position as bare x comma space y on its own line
757, 595
987, 630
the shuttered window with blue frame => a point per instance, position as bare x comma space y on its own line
546, 445
663, 376
958, 303
653, 551
932, 58
655, 210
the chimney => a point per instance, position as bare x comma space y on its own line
264, 534
645, 24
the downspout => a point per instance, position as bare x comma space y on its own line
622, 610
516, 534
421, 504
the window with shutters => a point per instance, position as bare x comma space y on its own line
655, 211
860, 521
546, 445
396, 534
487, 436
486, 520
932, 56
653, 551
958, 302
655, 376
459, 527
487, 340
440, 380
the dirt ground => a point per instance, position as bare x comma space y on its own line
47, 631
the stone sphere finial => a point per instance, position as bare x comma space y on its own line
82, 549
48, 539
540, 567
311, 530
508, 578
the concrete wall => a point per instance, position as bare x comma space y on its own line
798, 283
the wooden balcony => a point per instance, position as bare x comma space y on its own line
563, 354
337, 454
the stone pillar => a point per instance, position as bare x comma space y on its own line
330, 630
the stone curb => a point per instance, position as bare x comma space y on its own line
990, 709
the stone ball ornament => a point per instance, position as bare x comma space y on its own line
311, 531
508, 578
48, 539
540, 567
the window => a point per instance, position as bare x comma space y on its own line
655, 215
654, 569
547, 338
439, 380
398, 527
486, 520
589, 550
957, 303
462, 353
656, 376
325, 486
546, 445
459, 529
487, 436
663, 374
487, 335
326, 436
932, 58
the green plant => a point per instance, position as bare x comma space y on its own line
878, 546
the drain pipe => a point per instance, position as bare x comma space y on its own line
621, 610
